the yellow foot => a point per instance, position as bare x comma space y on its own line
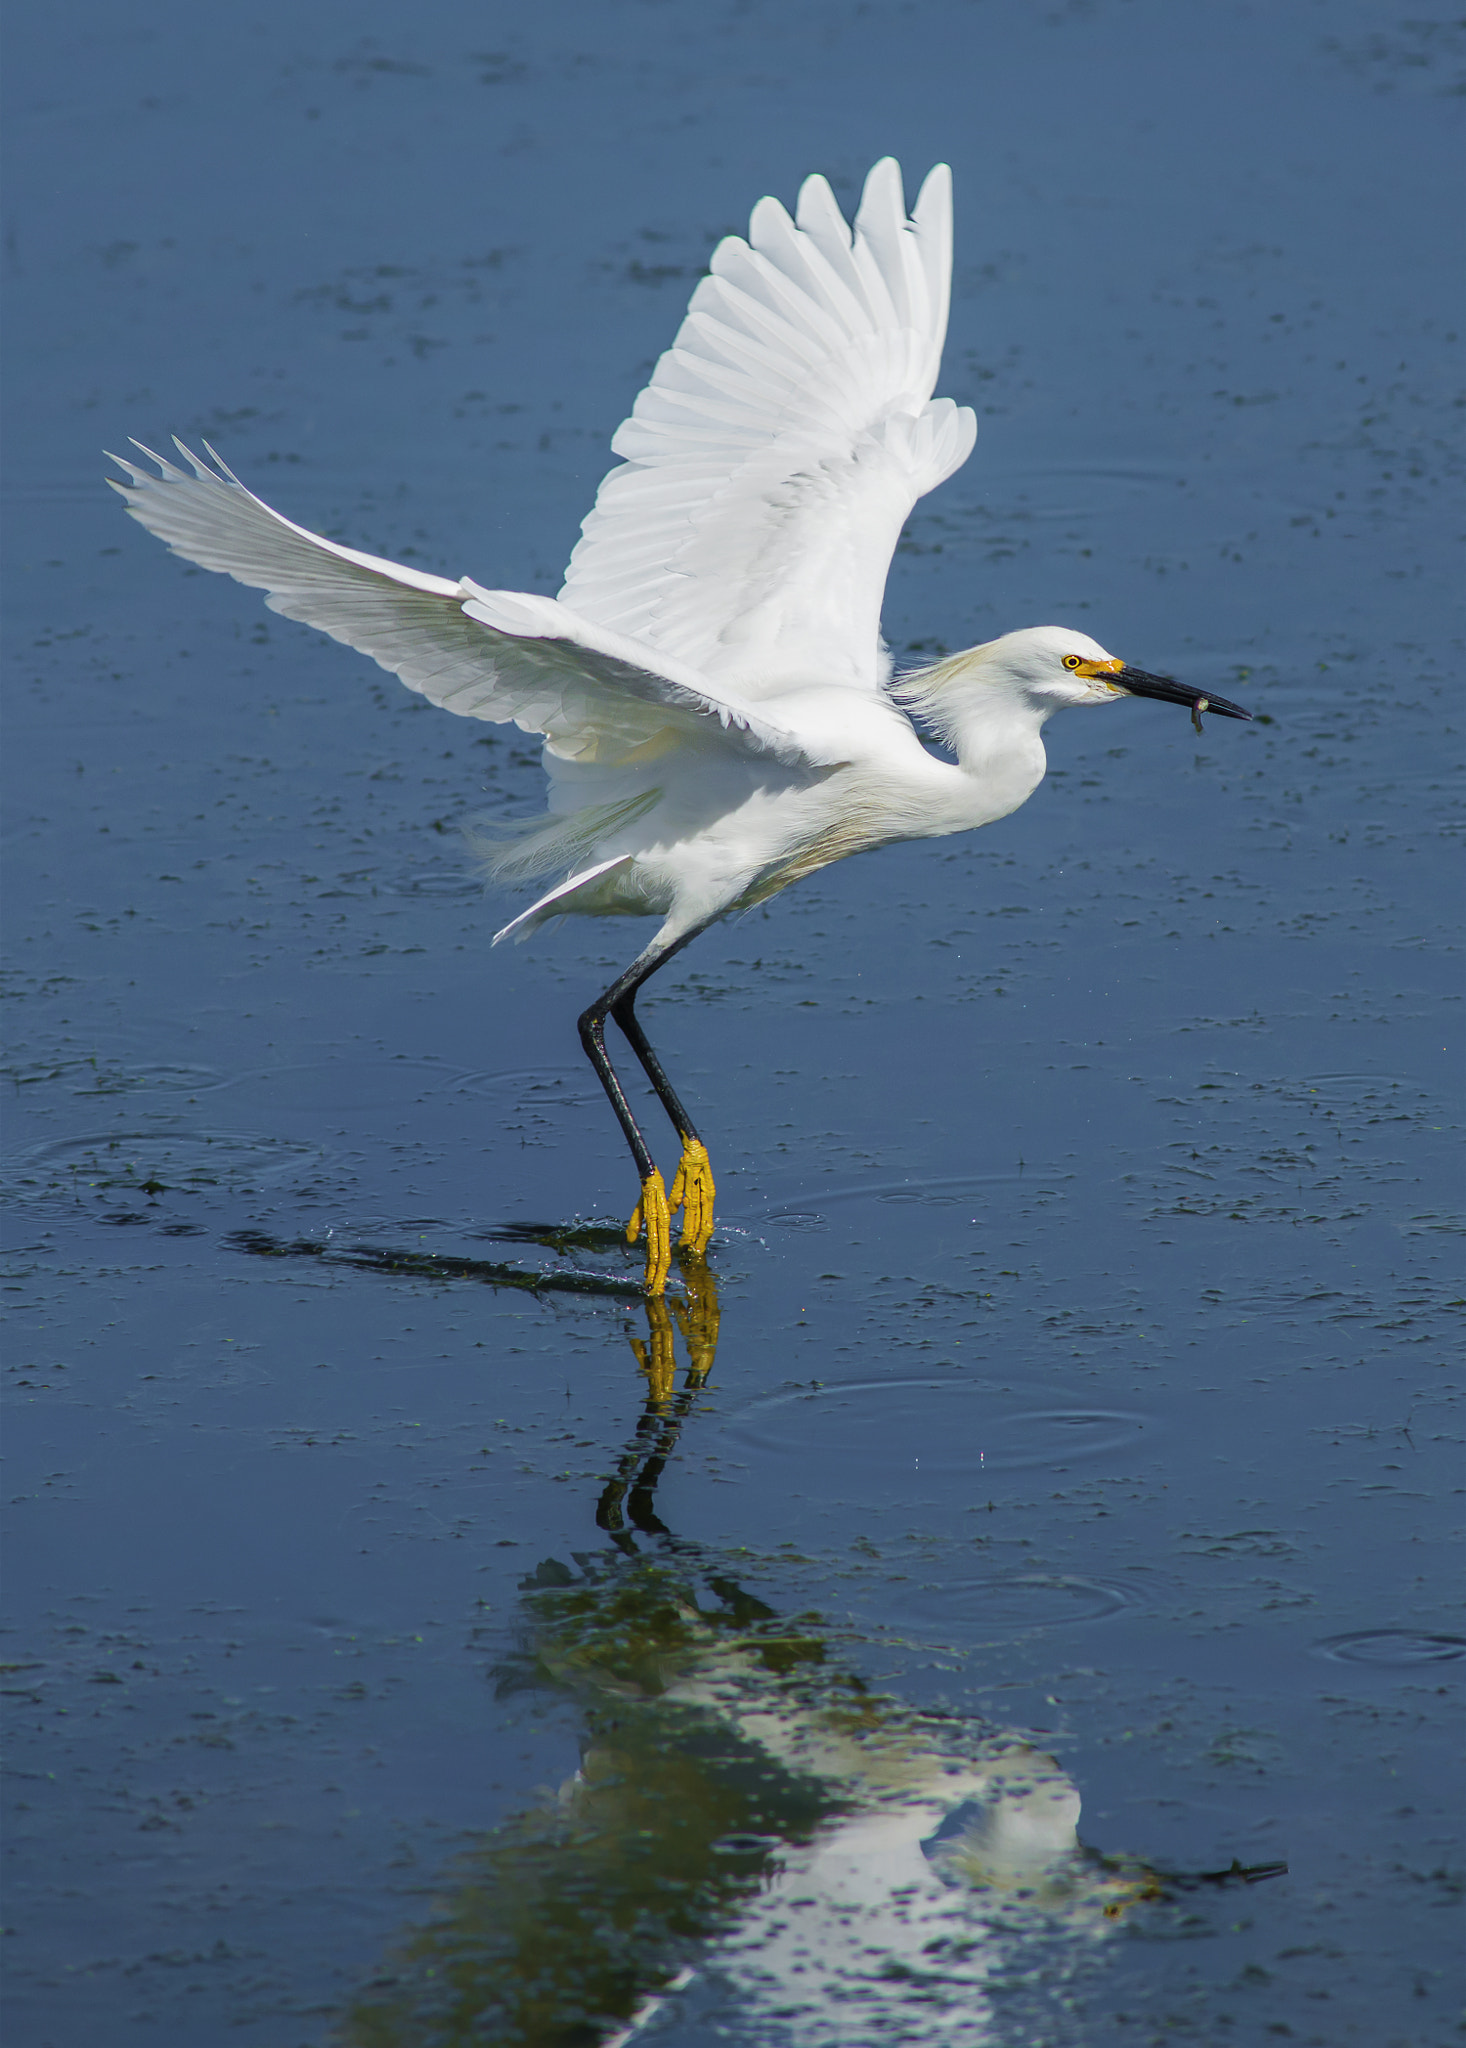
692, 1193
652, 1215
657, 1356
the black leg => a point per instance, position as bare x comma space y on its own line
593, 1038
692, 1190
641, 1045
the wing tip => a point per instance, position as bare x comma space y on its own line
931, 216
883, 191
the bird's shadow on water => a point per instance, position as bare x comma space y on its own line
755, 1839
396, 1261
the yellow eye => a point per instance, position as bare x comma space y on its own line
1071, 661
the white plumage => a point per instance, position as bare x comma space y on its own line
773, 459
735, 556
711, 683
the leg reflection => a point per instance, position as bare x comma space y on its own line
697, 1318
657, 1356
628, 1495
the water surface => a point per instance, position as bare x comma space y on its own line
1077, 1377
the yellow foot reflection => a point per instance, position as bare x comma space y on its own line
692, 1193
1133, 1889
652, 1215
697, 1319
657, 1356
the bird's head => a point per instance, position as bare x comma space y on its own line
1053, 667
1023, 678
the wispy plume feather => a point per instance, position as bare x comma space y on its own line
520, 849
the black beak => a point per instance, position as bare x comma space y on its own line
1165, 691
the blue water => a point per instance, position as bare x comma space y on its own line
1088, 1281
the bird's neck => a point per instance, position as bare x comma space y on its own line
992, 723
998, 741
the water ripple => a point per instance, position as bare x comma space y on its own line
932, 1426
1014, 1605
1393, 1648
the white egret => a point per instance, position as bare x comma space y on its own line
718, 707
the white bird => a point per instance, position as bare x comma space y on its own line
718, 707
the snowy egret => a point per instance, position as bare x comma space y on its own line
718, 708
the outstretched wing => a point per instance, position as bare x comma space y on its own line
784, 438
493, 654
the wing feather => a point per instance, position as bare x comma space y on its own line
505, 656
768, 467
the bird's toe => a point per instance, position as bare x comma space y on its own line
653, 1216
692, 1192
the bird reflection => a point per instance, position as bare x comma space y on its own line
756, 1843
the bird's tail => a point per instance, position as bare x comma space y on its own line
513, 850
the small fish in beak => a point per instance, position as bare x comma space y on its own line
1167, 691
